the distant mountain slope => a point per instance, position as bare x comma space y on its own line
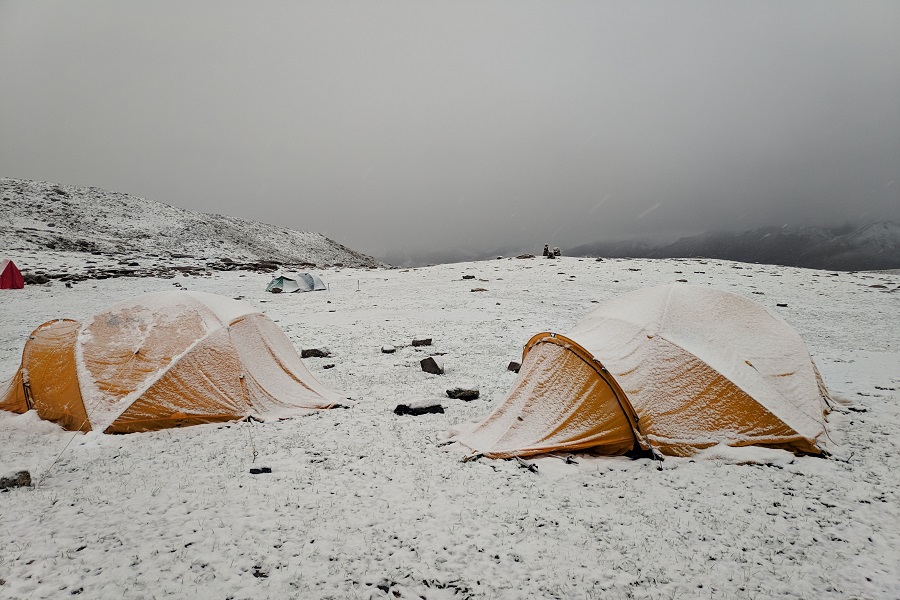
870, 247
46, 216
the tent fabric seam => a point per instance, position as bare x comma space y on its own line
128, 400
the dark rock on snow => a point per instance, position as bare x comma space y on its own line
464, 392
432, 364
19, 479
315, 352
420, 407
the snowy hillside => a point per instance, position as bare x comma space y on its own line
123, 229
362, 503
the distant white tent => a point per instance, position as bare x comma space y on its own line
305, 282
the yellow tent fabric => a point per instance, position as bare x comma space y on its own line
164, 360
673, 368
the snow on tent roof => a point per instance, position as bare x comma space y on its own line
675, 368
163, 360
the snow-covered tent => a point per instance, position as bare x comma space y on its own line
673, 369
163, 360
282, 284
306, 282
10, 277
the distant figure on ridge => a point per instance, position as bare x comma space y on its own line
546, 249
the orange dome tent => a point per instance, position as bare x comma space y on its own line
163, 360
673, 369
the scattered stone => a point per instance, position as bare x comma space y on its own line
315, 352
527, 465
681, 280
478, 290
514, 366
433, 365
388, 349
552, 256
468, 391
598, 260
782, 305
18, 479
420, 407
259, 470
421, 342
328, 366
468, 277
525, 256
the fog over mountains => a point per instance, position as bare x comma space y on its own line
43, 216
848, 248
845, 248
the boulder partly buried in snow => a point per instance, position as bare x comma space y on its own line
465, 391
16, 479
320, 352
419, 407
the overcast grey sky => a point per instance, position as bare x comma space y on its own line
399, 127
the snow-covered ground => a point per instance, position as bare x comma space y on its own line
362, 503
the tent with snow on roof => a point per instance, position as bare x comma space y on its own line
10, 277
168, 359
672, 369
305, 282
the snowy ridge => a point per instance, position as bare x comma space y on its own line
868, 247
43, 216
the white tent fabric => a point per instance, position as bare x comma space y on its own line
636, 337
311, 283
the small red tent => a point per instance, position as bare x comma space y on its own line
10, 277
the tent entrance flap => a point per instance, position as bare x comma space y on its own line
47, 379
561, 402
600, 371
